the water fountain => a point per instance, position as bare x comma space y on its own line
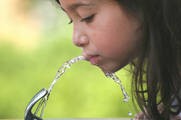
38, 102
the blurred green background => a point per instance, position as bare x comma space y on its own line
35, 40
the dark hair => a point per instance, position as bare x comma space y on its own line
57, 1
157, 70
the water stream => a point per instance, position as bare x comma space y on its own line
69, 63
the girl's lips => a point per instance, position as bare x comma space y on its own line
91, 57
94, 59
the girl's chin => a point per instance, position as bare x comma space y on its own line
110, 66
109, 69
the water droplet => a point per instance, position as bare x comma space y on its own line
130, 113
125, 100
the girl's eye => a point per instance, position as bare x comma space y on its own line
87, 19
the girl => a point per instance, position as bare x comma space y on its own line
144, 33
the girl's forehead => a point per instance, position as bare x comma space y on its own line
66, 3
74, 4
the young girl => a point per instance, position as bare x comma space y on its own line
144, 33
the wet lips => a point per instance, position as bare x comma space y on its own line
93, 59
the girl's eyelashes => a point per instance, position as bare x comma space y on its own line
88, 19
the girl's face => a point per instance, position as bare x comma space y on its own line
109, 36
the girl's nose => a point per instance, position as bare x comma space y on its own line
80, 39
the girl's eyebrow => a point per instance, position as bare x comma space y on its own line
75, 6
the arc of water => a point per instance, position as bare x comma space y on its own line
68, 64
62, 70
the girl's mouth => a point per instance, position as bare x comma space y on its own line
94, 59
